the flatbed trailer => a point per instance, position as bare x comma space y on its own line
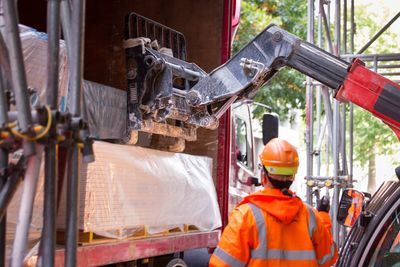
113, 252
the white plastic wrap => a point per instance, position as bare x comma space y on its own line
34, 48
105, 111
128, 188
105, 106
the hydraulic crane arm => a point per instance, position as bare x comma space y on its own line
275, 48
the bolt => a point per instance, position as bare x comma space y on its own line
277, 36
193, 98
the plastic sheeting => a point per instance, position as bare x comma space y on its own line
104, 107
34, 49
105, 111
128, 188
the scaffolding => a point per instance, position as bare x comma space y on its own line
326, 125
329, 142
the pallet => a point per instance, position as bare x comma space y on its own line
91, 238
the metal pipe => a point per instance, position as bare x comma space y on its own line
72, 207
66, 25
26, 207
3, 163
321, 134
351, 142
371, 57
53, 48
345, 26
76, 61
318, 97
336, 126
343, 139
5, 81
76, 68
10, 187
324, 178
326, 26
335, 159
185, 73
376, 36
309, 103
3, 222
352, 27
5, 62
3, 102
18, 71
48, 239
351, 118
328, 113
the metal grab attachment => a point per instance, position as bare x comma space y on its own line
257, 63
162, 87
160, 82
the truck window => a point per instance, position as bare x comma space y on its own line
387, 252
243, 150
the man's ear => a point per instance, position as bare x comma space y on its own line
263, 179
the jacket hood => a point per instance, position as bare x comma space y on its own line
272, 201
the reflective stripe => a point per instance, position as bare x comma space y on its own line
281, 170
228, 259
261, 251
277, 254
329, 256
312, 221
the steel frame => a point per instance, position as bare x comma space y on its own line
330, 128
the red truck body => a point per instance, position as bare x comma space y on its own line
208, 27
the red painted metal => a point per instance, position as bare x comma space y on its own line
236, 14
224, 134
363, 88
129, 250
224, 131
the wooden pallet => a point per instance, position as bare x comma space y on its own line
90, 238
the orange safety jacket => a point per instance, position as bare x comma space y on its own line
271, 229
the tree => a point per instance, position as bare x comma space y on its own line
372, 137
286, 91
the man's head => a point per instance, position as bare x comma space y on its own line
280, 162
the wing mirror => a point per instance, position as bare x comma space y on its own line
270, 127
251, 180
350, 207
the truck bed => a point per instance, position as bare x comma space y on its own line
129, 250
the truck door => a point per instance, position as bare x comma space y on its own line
243, 154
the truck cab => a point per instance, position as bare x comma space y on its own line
374, 238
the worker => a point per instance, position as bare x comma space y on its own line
323, 207
354, 211
273, 227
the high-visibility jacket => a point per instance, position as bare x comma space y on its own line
326, 219
271, 229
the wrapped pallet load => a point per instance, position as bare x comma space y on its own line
134, 191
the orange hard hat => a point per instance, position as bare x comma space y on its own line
280, 157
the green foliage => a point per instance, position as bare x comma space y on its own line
371, 135
368, 25
286, 90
